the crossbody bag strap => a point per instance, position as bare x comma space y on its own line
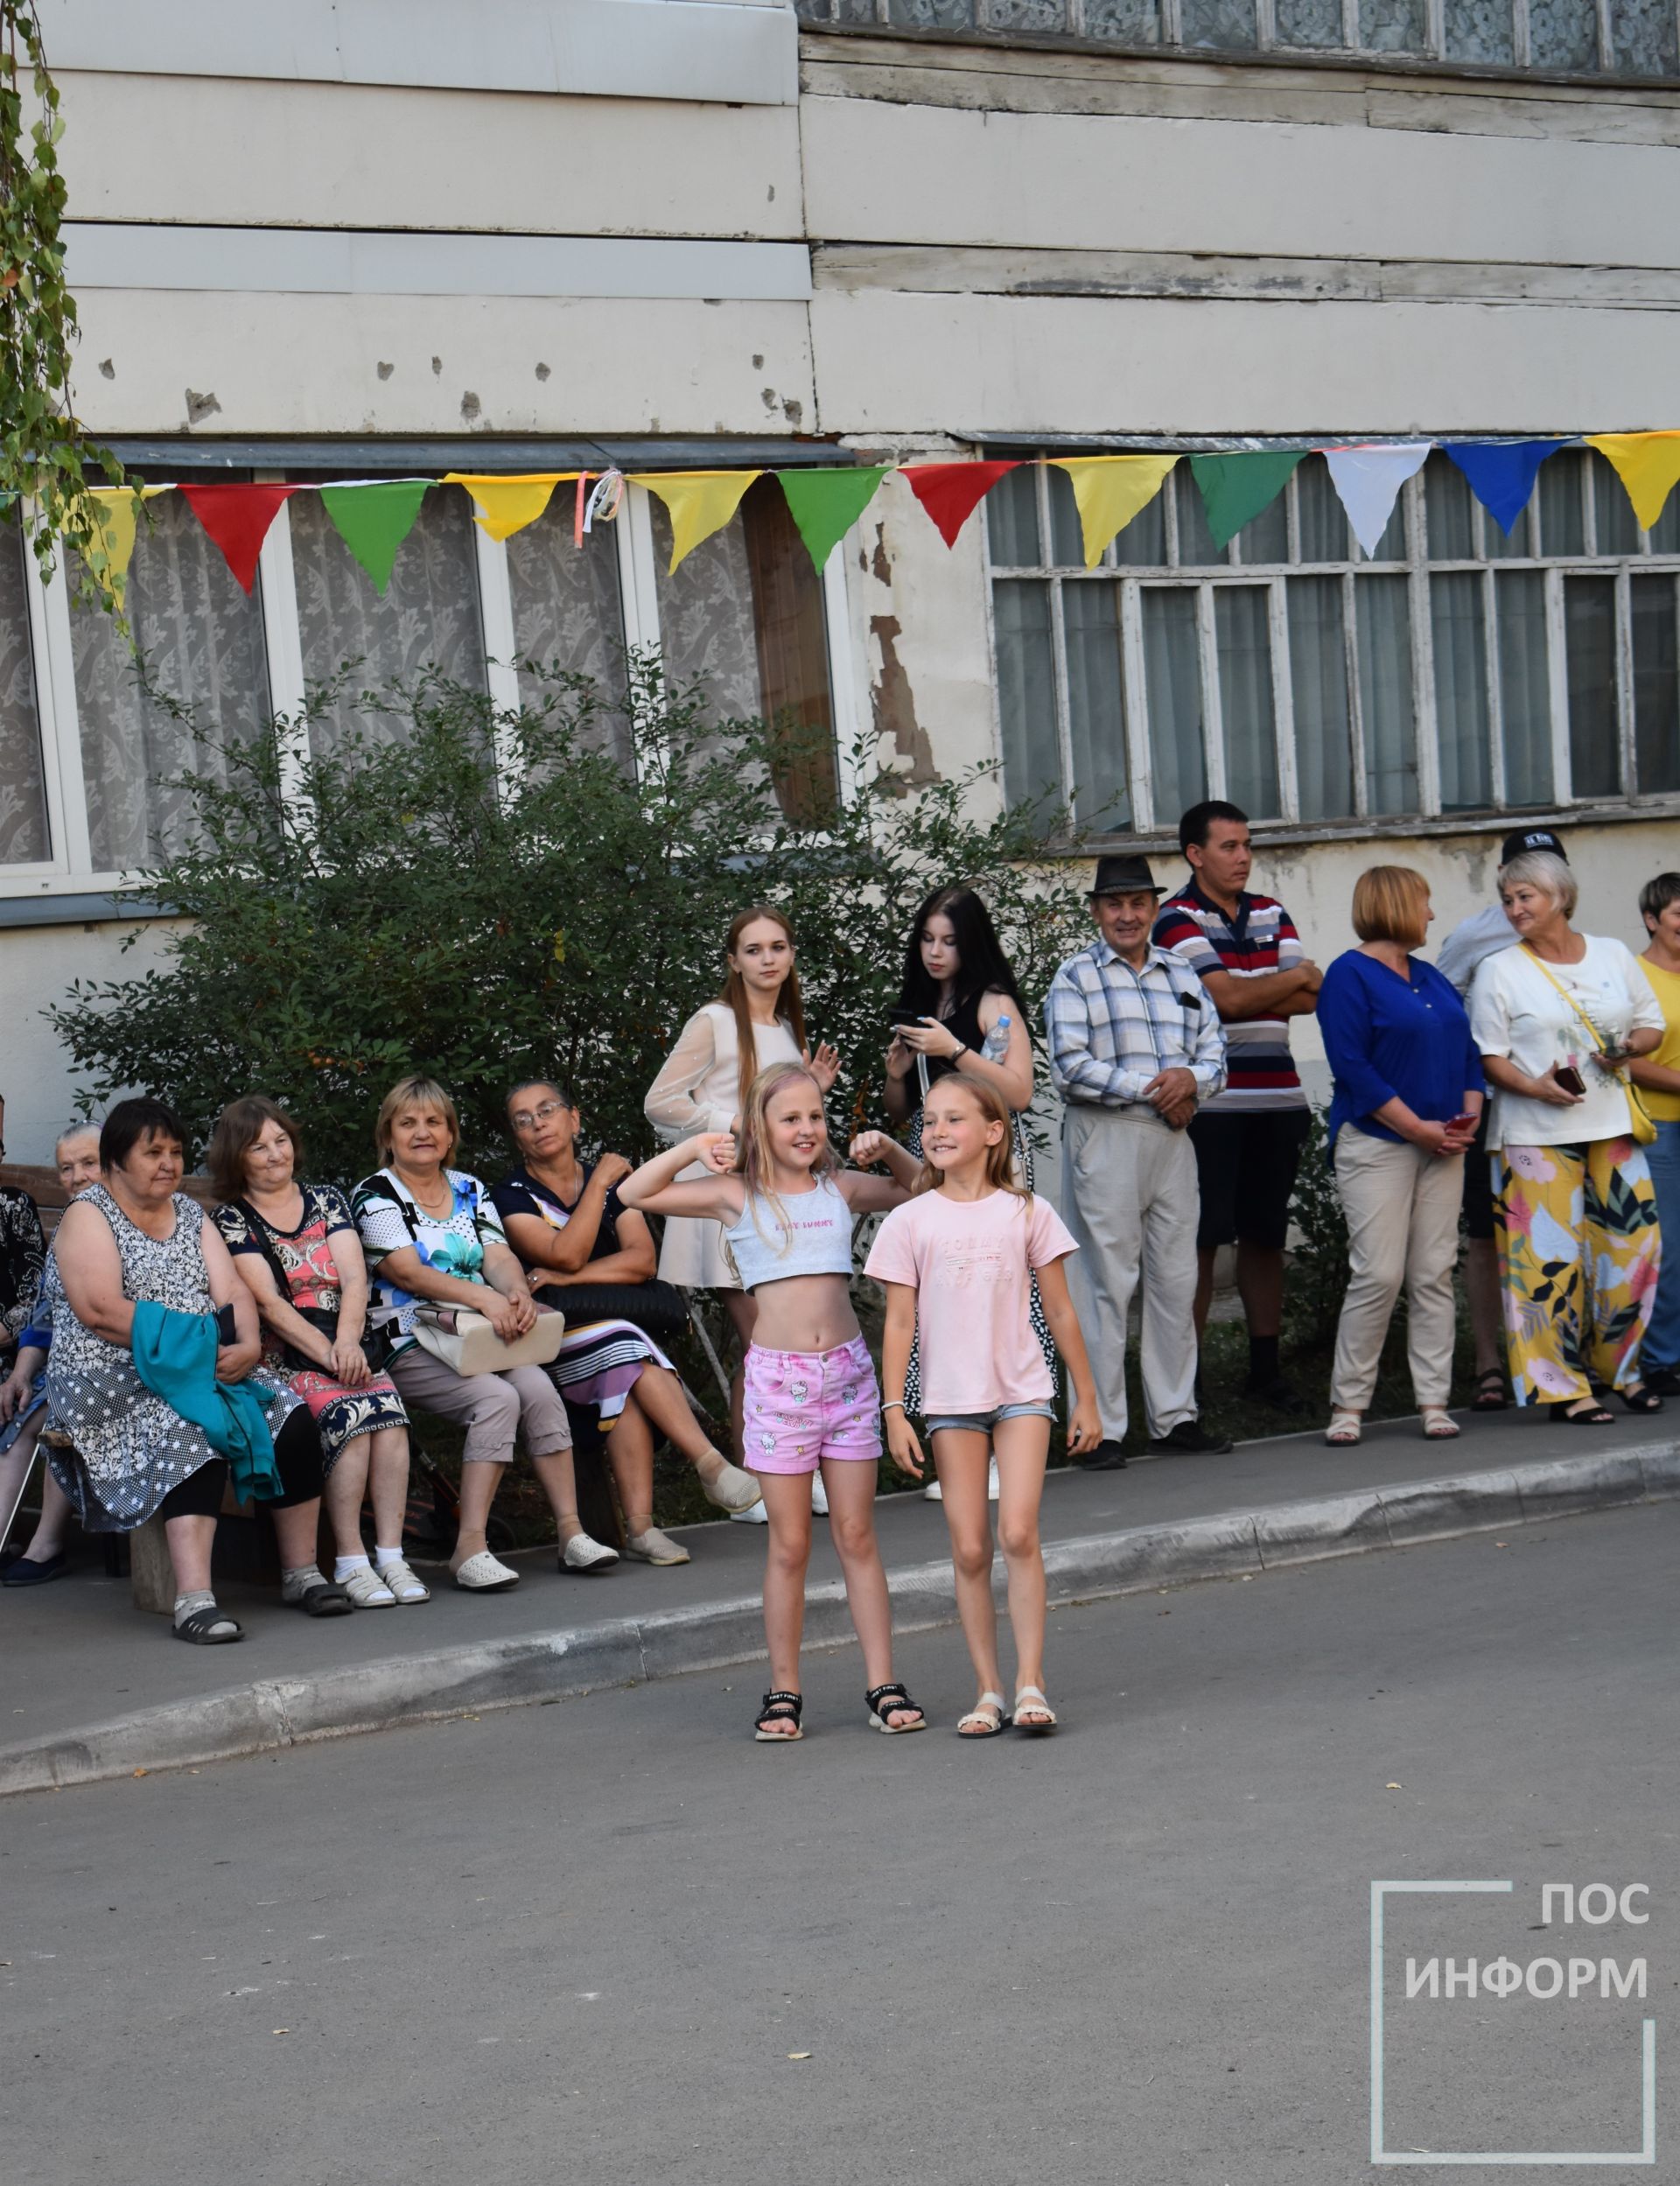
1591, 1028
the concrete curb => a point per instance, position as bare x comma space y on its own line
271, 1714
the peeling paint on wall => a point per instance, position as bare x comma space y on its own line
894, 706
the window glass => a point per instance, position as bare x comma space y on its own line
1026, 691
199, 643
1518, 546
1128, 22
427, 618
1564, 33
1196, 548
1524, 686
568, 616
932, 15
743, 614
1012, 520
1613, 513
1324, 534
1480, 30
1265, 539
1095, 706
1225, 24
1656, 691
1384, 629
1590, 629
1393, 27
1642, 41
1665, 537
1318, 668
1563, 522
1243, 630
23, 833
1066, 538
1309, 23
1459, 643
1448, 525
1173, 678
1142, 545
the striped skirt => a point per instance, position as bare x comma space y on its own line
598, 1364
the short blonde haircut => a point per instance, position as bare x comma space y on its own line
1391, 904
416, 1091
1541, 869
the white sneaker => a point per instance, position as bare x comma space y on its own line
991, 1481
367, 1589
757, 1516
484, 1573
819, 1495
581, 1553
404, 1584
933, 1492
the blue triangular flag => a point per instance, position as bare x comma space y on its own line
1501, 473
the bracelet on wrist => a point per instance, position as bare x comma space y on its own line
892, 1403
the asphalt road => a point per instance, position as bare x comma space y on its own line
596, 1941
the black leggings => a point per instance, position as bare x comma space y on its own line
297, 1453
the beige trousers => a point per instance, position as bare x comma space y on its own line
1130, 1198
493, 1408
1401, 1205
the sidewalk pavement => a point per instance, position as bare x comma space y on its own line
94, 1688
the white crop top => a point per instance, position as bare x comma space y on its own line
809, 1234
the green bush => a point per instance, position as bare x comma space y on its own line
481, 895
1317, 1269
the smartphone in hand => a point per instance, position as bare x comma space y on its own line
1569, 1077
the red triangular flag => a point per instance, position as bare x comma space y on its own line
951, 491
237, 518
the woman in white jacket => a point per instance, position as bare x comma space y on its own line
757, 1020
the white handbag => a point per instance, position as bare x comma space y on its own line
466, 1342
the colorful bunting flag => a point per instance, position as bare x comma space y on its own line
825, 503
506, 505
1501, 473
1648, 465
374, 520
115, 511
237, 518
698, 502
1369, 480
1234, 489
1108, 490
951, 491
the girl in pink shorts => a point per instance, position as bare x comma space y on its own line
811, 1397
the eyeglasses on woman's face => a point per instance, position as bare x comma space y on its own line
529, 1118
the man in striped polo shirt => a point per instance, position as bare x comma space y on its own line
1248, 1139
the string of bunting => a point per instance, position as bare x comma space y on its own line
373, 516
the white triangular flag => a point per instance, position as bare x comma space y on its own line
1369, 481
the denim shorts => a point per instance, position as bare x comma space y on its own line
984, 1422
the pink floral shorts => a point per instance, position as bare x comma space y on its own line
802, 1406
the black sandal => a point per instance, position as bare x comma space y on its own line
1596, 1416
1640, 1399
885, 1701
203, 1628
1490, 1391
780, 1707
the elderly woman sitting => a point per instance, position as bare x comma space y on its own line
23, 1396
1558, 1019
133, 1240
564, 1219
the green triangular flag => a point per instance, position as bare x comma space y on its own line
1235, 487
826, 503
372, 521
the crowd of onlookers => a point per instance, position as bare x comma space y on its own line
276, 1345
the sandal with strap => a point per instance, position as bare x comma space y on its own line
780, 1707
1344, 1430
885, 1701
1031, 1701
209, 1627
988, 1713
1490, 1391
1438, 1424
1595, 1415
1640, 1399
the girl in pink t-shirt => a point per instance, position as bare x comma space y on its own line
957, 1262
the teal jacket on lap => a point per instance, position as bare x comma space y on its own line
175, 1356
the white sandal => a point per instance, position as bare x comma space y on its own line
485, 1574
1344, 1430
988, 1712
1439, 1425
1035, 1704
584, 1553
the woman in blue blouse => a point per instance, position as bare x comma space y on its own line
1407, 1093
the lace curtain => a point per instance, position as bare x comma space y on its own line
199, 641
568, 614
427, 618
23, 834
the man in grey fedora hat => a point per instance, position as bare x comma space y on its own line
1135, 1045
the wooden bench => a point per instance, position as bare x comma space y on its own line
51, 1199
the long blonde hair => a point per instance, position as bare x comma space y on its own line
789, 1006
752, 1152
1000, 1159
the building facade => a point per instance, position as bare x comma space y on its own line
392, 237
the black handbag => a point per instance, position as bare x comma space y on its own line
377, 1344
656, 1308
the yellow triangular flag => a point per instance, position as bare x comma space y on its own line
507, 505
699, 503
1110, 490
1648, 464
115, 509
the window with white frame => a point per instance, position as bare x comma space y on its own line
1453, 671
92, 742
